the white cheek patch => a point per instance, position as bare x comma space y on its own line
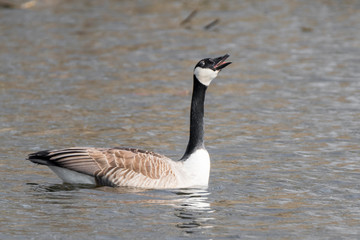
205, 75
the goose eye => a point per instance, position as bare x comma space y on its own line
202, 63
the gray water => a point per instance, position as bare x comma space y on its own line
282, 122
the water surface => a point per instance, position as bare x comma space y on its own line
282, 122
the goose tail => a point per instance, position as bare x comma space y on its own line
41, 157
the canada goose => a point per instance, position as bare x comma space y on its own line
137, 168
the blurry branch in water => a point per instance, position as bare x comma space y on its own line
188, 18
212, 24
306, 29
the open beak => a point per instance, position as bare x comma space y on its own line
220, 62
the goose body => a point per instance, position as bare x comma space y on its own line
138, 168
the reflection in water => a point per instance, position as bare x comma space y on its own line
193, 209
58, 187
191, 206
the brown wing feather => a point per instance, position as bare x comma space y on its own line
76, 159
134, 167
114, 166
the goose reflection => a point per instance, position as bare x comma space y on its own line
191, 206
193, 209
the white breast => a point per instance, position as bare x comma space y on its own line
196, 169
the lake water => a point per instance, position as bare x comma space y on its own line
282, 122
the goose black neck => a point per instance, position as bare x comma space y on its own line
196, 138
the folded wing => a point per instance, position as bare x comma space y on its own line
113, 166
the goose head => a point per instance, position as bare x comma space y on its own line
207, 69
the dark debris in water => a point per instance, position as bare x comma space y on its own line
306, 29
211, 24
186, 22
189, 18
